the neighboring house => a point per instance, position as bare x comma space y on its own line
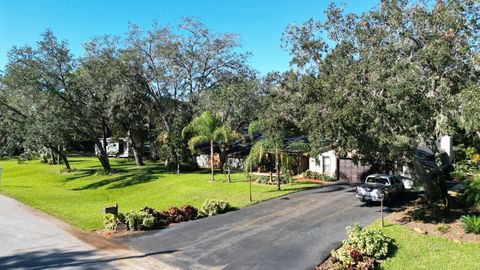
325, 163
120, 147
328, 163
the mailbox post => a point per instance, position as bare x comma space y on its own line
381, 206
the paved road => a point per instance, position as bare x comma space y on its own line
33, 240
296, 231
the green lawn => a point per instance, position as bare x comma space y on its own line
78, 197
417, 251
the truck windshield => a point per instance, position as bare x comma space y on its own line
377, 180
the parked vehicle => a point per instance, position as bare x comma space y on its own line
376, 184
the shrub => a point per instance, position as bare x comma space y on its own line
172, 215
189, 212
139, 221
317, 176
471, 224
263, 179
361, 248
110, 221
214, 207
470, 195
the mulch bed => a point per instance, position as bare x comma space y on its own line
113, 234
302, 179
454, 230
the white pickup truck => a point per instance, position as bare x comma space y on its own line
375, 184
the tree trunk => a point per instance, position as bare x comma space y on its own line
229, 175
277, 167
52, 155
103, 156
61, 156
212, 156
178, 167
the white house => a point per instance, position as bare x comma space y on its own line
117, 147
325, 163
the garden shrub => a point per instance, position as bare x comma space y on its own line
317, 176
172, 215
137, 221
470, 195
471, 224
361, 248
262, 179
215, 207
189, 212
110, 221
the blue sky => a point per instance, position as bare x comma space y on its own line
259, 23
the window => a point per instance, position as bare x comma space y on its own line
326, 165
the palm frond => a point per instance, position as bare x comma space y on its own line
194, 141
252, 128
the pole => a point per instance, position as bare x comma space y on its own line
381, 208
250, 182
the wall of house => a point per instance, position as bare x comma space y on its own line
203, 161
316, 163
236, 164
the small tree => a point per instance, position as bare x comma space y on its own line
207, 128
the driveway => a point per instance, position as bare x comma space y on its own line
30, 239
296, 231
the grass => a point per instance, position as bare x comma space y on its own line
417, 251
78, 197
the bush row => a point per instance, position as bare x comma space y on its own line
317, 176
148, 218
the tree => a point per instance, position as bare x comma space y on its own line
236, 101
388, 82
207, 128
275, 123
130, 107
33, 96
178, 64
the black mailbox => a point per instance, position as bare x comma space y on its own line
111, 210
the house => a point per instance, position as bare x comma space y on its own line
120, 147
328, 163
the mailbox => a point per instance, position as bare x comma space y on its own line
111, 210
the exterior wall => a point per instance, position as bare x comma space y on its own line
352, 173
203, 161
236, 164
316, 163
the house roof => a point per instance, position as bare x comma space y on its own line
241, 147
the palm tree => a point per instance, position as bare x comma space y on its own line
271, 142
208, 128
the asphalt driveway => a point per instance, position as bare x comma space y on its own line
295, 231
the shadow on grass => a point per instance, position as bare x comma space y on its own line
57, 258
131, 177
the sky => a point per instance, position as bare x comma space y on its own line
259, 23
